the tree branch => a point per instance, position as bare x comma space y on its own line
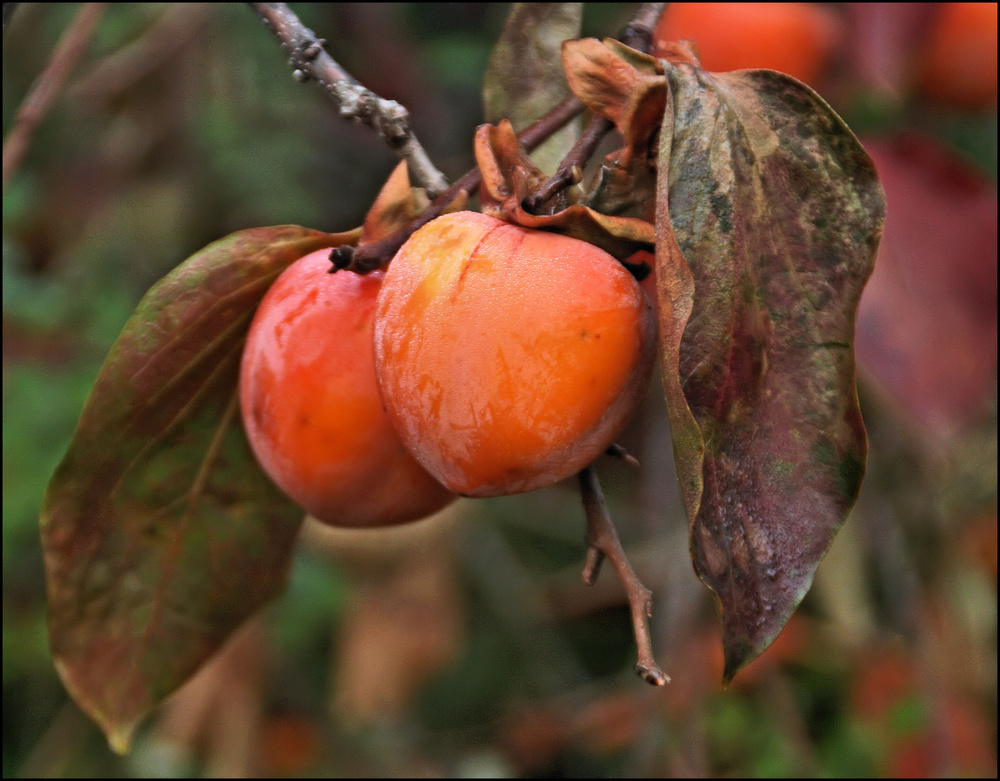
603, 542
638, 34
120, 71
570, 170
46, 86
389, 119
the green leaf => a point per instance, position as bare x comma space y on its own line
773, 212
160, 532
525, 78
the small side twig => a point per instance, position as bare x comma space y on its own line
116, 73
47, 85
617, 451
603, 542
389, 119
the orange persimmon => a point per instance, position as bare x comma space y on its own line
794, 38
508, 358
959, 67
311, 406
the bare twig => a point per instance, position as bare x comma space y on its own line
603, 542
617, 451
389, 120
556, 119
46, 87
116, 73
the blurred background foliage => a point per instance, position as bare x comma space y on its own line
466, 645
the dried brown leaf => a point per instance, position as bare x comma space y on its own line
509, 177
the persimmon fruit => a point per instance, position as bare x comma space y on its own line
508, 358
794, 38
959, 67
311, 406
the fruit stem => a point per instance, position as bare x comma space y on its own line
570, 170
638, 34
369, 257
603, 542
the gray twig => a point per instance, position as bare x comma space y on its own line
389, 119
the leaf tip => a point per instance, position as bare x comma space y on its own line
737, 656
733, 666
120, 738
741, 648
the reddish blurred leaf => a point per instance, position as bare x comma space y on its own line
289, 746
882, 41
614, 721
970, 734
979, 543
160, 533
927, 325
532, 738
777, 211
525, 79
885, 676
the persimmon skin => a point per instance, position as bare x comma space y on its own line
794, 38
311, 406
960, 63
508, 358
